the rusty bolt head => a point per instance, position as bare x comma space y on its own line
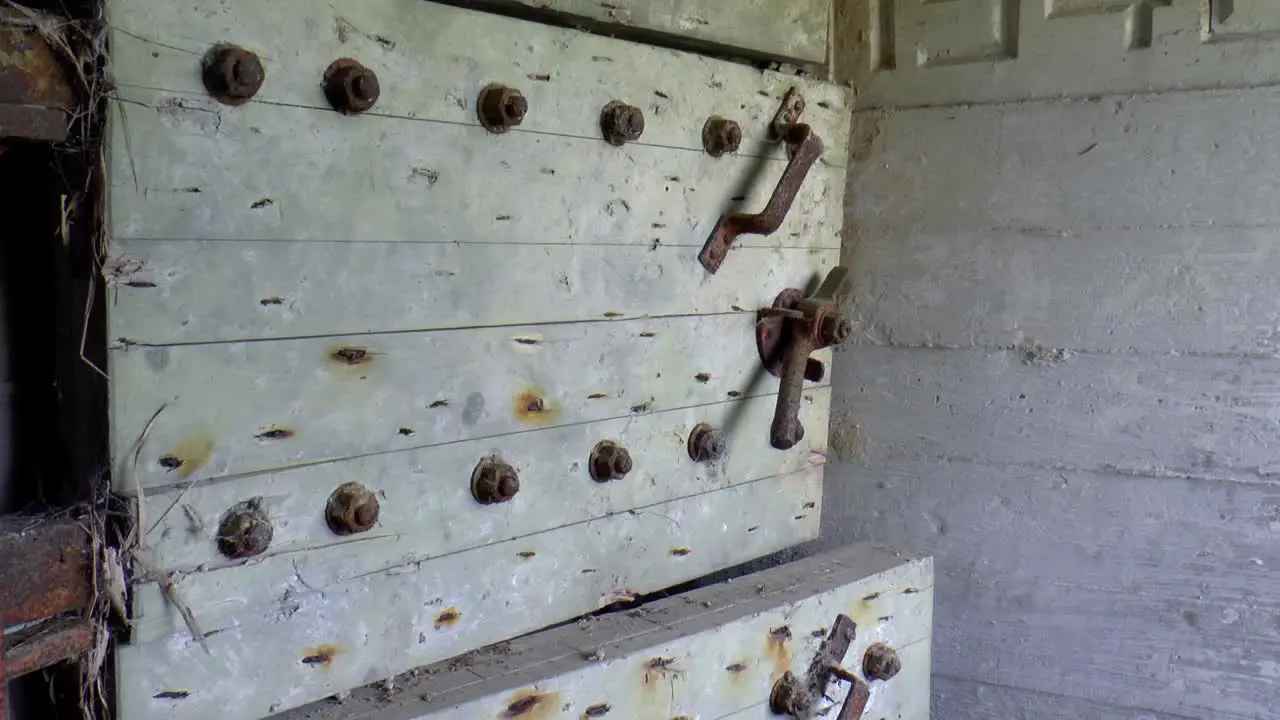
231, 74
609, 461
621, 123
351, 87
352, 508
706, 444
245, 530
790, 697
835, 329
880, 662
720, 136
501, 108
494, 481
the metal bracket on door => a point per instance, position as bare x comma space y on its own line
786, 334
804, 148
795, 697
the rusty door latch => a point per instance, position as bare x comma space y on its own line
786, 334
796, 697
804, 147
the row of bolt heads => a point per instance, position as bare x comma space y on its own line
233, 75
246, 531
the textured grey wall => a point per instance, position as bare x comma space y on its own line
1067, 389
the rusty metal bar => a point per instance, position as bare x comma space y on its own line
45, 568
46, 644
805, 148
855, 703
786, 334
35, 95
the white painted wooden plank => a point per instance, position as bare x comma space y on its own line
433, 60
312, 644
792, 30
1209, 417
411, 390
188, 168
1211, 290
931, 53
1156, 593
703, 633
427, 509
203, 291
1151, 162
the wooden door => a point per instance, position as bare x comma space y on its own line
716, 652
301, 299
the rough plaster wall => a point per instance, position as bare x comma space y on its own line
1066, 388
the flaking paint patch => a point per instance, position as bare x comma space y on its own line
320, 656
448, 618
531, 705
193, 452
532, 408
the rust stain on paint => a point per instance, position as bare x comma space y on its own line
350, 355
274, 432
531, 408
190, 454
321, 655
448, 618
531, 705
776, 648
681, 551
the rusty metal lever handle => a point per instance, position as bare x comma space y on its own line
805, 147
786, 334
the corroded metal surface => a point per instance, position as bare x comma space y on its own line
35, 94
786, 334
44, 568
44, 645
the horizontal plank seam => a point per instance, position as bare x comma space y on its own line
158, 490
388, 116
1258, 479
1046, 693
175, 573
1131, 352
123, 344
498, 243
1081, 98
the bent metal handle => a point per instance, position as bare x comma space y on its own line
805, 147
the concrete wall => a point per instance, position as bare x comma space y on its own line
1066, 387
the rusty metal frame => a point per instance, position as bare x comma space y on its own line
35, 93
46, 568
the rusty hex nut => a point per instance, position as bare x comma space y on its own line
789, 696
350, 87
245, 530
706, 444
720, 136
609, 461
880, 662
494, 481
231, 74
835, 329
621, 123
501, 108
352, 508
